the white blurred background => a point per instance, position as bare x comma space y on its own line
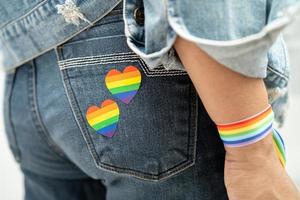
11, 179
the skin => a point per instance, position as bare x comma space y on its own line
253, 171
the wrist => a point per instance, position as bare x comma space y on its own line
252, 139
258, 152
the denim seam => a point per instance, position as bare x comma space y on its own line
195, 94
17, 153
116, 58
40, 127
272, 69
99, 56
163, 72
74, 106
63, 41
190, 161
94, 60
148, 73
25, 15
104, 57
99, 63
116, 16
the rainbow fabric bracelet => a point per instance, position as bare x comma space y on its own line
247, 131
279, 146
251, 130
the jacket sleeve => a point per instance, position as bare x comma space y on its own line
238, 35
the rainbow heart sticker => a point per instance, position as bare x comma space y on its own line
123, 86
104, 119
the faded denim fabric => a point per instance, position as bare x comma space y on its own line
236, 33
166, 146
243, 35
30, 28
39, 187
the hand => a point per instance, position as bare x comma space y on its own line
254, 172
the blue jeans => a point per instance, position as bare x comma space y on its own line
165, 146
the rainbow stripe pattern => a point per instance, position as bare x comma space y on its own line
247, 131
279, 147
251, 130
104, 120
123, 86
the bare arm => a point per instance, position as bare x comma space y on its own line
227, 97
223, 92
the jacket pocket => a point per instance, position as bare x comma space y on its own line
156, 132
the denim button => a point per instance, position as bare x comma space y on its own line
139, 16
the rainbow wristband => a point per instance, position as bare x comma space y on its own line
251, 130
279, 146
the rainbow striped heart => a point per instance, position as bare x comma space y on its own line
104, 119
123, 86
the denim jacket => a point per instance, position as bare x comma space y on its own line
240, 34
243, 35
237, 33
31, 28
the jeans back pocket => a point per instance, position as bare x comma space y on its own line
156, 132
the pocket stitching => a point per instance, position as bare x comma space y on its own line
192, 137
162, 175
116, 58
75, 109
